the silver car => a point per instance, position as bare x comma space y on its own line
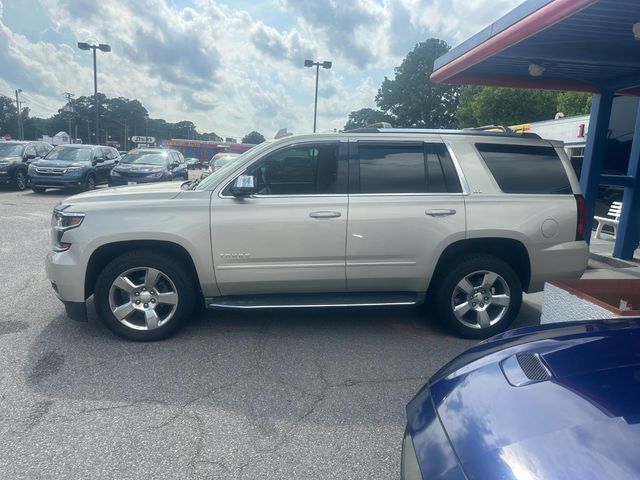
462, 220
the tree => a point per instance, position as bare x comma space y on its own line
574, 103
253, 137
412, 98
8, 117
504, 106
367, 116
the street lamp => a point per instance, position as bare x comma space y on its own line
311, 63
104, 48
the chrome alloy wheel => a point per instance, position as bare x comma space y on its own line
481, 299
143, 298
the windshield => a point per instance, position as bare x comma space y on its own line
146, 158
233, 161
10, 150
69, 153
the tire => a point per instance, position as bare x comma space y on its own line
38, 189
164, 305
20, 180
486, 291
89, 182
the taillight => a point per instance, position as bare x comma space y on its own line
581, 227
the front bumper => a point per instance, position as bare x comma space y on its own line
6, 177
55, 181
119, 181
67, 279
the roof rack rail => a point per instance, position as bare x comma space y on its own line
491, 128
483, 131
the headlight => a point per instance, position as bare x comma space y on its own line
155, 175
113, 173
4, 163
62, 221
32, 167
74, 170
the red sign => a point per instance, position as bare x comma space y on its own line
7, 136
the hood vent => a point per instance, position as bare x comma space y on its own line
533, 367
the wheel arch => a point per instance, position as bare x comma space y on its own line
105, 253
511, 251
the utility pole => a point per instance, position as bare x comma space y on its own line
88, 132
69, 108
19, 116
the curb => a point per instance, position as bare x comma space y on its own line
609, 260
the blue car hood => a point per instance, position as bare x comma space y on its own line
561, 402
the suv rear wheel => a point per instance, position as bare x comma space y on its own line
144, 296
479, 296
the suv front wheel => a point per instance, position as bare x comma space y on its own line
144, 296
479, 296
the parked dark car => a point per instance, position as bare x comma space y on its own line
556, 401
73, 166
15, 157
147, 165
192, 163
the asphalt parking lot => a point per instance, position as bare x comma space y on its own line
272, 394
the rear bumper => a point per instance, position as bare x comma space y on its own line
562, 261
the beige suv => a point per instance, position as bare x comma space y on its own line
464, 221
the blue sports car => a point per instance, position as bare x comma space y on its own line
558, 401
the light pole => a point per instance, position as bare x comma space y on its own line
104, 48
19, 116
311, 63
146, 125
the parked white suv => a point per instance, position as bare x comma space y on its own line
466, 219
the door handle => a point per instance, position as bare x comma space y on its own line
440, 212
325, 214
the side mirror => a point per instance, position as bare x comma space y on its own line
244, 186
174, 164
98, 159
30, 156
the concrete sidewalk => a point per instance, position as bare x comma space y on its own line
601, 256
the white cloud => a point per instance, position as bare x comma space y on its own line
224, 68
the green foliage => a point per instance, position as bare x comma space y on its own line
8, 117
511, 106
253, 137
504, 106
574, 103
114, 114
412, 98
367, 116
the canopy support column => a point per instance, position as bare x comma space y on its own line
629, 227
594, 153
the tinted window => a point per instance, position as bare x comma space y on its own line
525, 169
441, 174
386, 168
30, 150
299, 170
42, 149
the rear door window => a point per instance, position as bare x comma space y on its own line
403, 167
392, 168
530, 169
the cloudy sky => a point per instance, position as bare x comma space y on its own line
229, 66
